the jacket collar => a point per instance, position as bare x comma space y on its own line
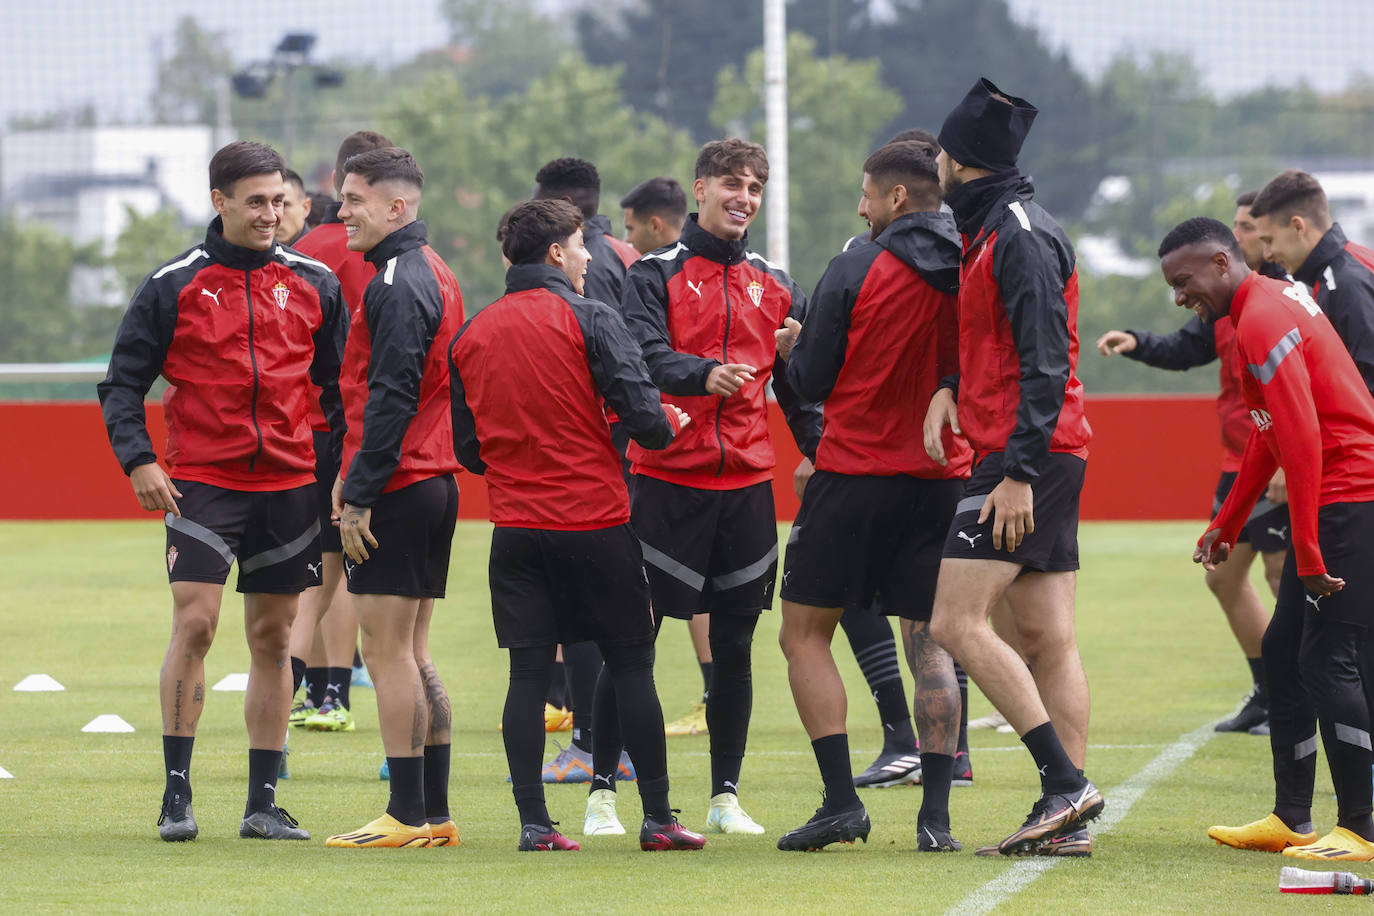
409, 236
331, 213
713, 247
521, 277
1331, 244
234, 256
1239, 297
976, 203
596, 225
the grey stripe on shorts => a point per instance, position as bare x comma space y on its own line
747, 574
201, 533
284, 552
679, 571
970, 503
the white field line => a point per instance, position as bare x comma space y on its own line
1119, 802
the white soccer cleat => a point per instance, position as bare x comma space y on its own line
726, 816
600, 819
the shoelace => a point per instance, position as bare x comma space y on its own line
285, 816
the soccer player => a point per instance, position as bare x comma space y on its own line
396, 498
239, 326
530, 375
654, 212
327, 618
1198, 343
295, 209
881, 332
1020, 404
1314, 418
578, 181
704, 312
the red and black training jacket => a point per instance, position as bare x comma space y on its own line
1343, 286
239, 334
881, 331
395, 372
1018, 387
528, 375
700, 304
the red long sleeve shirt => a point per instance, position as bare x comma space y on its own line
1313, 415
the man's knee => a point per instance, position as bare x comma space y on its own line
802, 628
194, 631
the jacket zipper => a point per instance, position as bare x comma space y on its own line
725, 358
253, 360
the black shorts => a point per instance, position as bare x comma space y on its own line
1267, 528
1052, 546
860, 537
274, 535
706, 551
552, 587
1345, 533
325, 473
414, 531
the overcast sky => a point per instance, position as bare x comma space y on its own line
65, 53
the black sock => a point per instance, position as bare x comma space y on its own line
529, 801
357, 658
875, 649
706, 670
937, 773
407, 802
653, 797
558, 687
316, 680
297, 673
731, 702
436, 783
832, 755
583, 661
337, 681
725, 773
962, 678
262, 779
1257, 673
176, 757
1295, 817
609, 742
1058, 775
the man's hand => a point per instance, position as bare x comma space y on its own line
154, 489
1114, 342
942, 412
786, 336
355, 533
1322, 585
1011, 507
801, 475
1209, 552
1278, 489
727, 379
683, 418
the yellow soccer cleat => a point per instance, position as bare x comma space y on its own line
693, 722
1340, 845
445, 834
385, 831
557, 719
1267, 835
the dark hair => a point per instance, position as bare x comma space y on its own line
657, 197
571, 178
389, 164
528, 229
1246, 198
908, 163
291, 176
360, 141
732, 155
319, 202
1292, 192
242, 159
920, 136
1197, 230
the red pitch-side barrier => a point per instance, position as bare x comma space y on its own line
1151, 458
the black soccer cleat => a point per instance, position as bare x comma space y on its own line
272, 823
1252, 712
963, 770
176, 823
668, 836
934, 838
1052, 814
892, 768
824, 829
539, 838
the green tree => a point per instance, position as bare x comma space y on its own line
36, 312
835, 106
502, 47
147, 241
189, 78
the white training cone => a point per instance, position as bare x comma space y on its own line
237, 682
109, 722
36, 683
5, 774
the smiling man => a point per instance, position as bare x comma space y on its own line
1314, 418
396, 498
239, 326
705, 311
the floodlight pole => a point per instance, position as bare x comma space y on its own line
775, 113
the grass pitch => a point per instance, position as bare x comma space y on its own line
87, 604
